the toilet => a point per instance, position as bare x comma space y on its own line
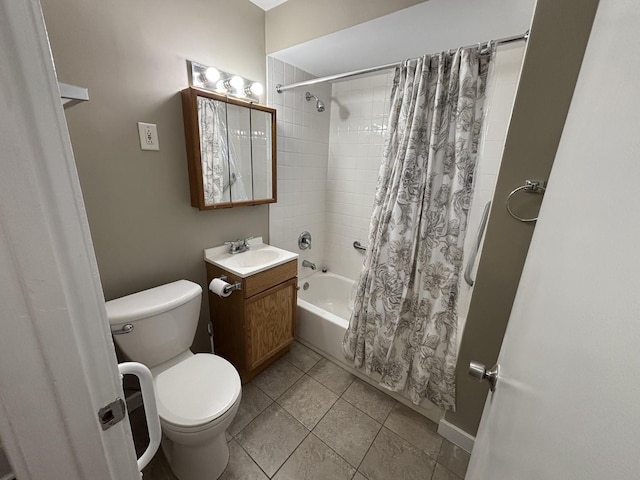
198, 395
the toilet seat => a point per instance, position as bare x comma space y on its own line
196, 391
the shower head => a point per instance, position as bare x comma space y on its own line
319, 103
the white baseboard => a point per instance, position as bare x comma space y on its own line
456, 435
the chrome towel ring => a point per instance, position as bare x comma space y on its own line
530, 186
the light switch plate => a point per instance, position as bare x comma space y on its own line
148, 136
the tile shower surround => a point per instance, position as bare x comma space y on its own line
305, 418
302, 147
356, 141
335, 204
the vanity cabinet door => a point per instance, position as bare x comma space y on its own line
269, 322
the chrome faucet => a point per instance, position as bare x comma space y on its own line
238, 246
307, 263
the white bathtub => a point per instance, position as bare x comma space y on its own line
323, 314
323, 318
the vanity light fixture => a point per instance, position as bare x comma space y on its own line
255, 88
237, 83
212, 74
211, 78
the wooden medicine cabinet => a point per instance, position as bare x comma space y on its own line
231, 150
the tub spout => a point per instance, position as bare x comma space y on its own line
307, 263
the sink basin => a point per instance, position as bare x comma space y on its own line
253, 258
258, 258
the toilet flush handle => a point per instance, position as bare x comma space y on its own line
126, 328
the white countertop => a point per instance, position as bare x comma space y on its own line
258, 258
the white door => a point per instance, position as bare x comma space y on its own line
57, 363
567, 402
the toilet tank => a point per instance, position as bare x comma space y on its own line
164, 321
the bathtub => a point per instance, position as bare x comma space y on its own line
323, 317
323, 313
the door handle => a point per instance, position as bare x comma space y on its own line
479, 372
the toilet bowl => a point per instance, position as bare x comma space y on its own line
198, 395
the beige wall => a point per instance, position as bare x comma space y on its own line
552, 61
297, 21
132, 57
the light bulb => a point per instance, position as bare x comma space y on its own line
197, 80
212, 74
257, 89
237, 82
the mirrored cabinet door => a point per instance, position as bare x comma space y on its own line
214, 151
262, 153
231, 150
240, 180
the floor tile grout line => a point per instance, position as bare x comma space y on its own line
295, 448
339, 396
323, 415
251, 458
277, 403
311, 431
258, 386
358, 408
254, 418
292, 385
292, 452
445, 466
368, 449
322, 357
458, 477
285, 358
384, 425
321, 418
340, 456
435, 459
318, 423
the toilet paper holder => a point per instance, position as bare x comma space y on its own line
231, 287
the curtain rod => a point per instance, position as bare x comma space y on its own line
281, 88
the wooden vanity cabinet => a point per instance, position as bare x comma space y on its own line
254, 326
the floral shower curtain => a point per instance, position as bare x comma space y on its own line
404, 322
220, 172
213, 149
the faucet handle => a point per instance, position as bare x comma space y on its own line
247, 239
235, 246
304, 241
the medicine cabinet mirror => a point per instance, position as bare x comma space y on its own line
231, 150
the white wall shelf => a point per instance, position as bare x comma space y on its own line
71, 94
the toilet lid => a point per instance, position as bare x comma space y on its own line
197, 390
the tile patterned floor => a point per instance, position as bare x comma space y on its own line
306, 418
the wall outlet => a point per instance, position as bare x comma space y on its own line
148, 136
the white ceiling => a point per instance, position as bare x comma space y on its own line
427, 27
267, 4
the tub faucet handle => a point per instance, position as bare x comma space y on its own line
304, 241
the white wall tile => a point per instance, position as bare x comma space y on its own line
354, 161
302, 164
